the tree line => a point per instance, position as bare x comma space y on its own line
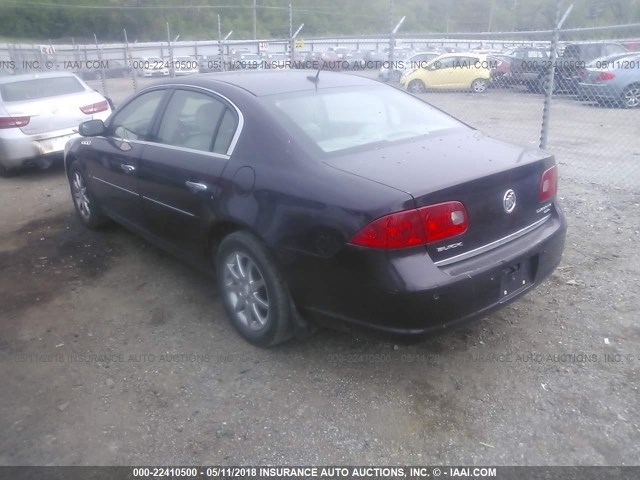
145, 20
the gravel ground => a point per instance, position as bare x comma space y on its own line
114, 353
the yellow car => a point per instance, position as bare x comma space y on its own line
452, 71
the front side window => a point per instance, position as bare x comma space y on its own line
133, 122
339, 119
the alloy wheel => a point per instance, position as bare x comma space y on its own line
80, 196
246, 290
479, 85
631, 97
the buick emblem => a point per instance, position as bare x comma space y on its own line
509, 201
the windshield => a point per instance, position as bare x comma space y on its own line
39, 88
339, 119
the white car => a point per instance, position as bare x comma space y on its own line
39, 112
152, 67
185, 66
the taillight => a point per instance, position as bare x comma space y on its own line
548, 184
414, 227
95, 107
444, 220
604, 76
14, 122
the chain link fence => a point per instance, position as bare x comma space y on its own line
498, 83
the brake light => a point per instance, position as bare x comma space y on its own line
95, 107
14, 122
548, 184
604, 76
414, 227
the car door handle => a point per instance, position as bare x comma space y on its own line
127, 168
196, 187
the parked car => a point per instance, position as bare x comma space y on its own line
405, 63
355, 60
500, 70
375, 58
184, 65
452, 71
277, 61
152, 67
527, 66
246, 61
573, 60
116, 69
387, 74
39, 113
617, 82
329, 60
312, 201
209, 63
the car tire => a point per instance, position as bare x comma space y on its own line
86, 205
254, 294
543, 84
479, 85
630, 97
416, 86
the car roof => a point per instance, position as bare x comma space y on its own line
31, 76
273, 82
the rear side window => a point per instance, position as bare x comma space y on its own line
39, 88
197, 121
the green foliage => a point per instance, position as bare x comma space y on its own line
56, 19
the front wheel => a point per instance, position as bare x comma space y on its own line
631, 97
86, 205
253, 292
416, 86
479, 85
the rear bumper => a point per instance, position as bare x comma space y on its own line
18, 149
408, 295
594, 91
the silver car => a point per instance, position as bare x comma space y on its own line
613, 80
39, 113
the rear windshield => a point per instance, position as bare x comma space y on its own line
39, 88
339, 119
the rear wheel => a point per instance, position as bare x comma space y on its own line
253, 292
479, 85
86, 205
630, 97
416, 86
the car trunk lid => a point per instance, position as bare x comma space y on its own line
467, 167
48, 109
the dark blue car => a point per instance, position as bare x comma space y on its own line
323, 199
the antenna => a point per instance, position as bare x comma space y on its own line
315, 79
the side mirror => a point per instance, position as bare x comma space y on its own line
91, 128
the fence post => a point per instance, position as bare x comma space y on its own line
129, 61
546, 111
220, 52
102, 80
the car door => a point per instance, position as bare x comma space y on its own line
466, 71
181, 169
439, 73
112, 160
